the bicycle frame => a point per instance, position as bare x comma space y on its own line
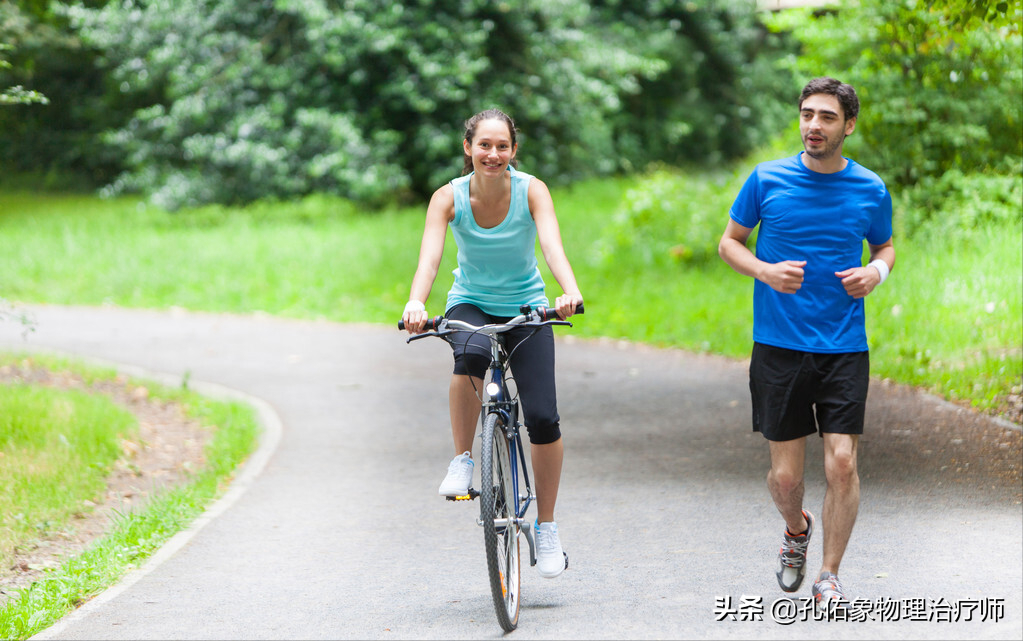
500, 400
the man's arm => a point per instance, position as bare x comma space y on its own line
860, 281
785, 277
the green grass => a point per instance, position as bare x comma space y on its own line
36, 458
950, 319
56, 450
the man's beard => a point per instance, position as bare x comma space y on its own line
830, 147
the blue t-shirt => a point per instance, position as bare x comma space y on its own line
497, 269
822, 219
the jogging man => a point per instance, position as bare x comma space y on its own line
809, 369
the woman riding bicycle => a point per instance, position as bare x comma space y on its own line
496, 213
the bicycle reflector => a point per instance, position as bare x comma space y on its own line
493, 389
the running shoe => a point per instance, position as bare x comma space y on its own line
828, 592
792, 557
551, 560
459, 477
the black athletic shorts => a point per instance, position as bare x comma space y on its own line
798, 393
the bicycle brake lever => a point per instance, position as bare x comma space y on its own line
416, 337
438, 334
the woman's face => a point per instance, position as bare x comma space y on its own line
491, 149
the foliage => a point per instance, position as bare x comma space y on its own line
57, 138
669, 218
941, 88
955, 203
236, 100
17, 95
716, 92
967, 13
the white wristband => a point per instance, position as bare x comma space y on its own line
414, 306
881, 267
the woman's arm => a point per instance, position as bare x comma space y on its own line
439, 213
541, 206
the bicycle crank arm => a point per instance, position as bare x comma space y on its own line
528, 531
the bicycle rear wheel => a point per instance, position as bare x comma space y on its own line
498, 504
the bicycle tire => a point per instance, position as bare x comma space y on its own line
498, 506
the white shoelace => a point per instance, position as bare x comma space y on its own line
793, 551
547, 539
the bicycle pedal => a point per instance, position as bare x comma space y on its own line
465, 497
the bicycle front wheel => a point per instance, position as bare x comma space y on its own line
498, 505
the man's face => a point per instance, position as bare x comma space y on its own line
822, 126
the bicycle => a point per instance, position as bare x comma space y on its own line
502, 459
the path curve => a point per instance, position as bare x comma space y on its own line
335, 529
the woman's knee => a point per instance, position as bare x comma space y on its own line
543, 433
473, 364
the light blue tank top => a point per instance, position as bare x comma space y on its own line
497, 269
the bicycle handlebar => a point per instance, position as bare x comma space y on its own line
544, 314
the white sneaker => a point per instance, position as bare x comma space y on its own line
459, 477
551, 560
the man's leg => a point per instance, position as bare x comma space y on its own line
785, 481
842, 498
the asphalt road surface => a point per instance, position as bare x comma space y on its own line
334, 529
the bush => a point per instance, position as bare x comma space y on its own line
955, 203
231, 101
671, 217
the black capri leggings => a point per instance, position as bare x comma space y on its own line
532, 365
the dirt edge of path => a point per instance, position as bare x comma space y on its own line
168, 447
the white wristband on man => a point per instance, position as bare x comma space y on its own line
881, 267
414, 306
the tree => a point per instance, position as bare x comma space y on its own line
940, 82
709, 90
18, 95
47, 56
193, 101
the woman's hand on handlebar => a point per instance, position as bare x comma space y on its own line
414, 317
566, 305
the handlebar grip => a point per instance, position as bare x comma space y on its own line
431, 323
547, 314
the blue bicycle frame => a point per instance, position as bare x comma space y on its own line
500, 401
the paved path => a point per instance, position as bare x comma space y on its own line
335, 530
